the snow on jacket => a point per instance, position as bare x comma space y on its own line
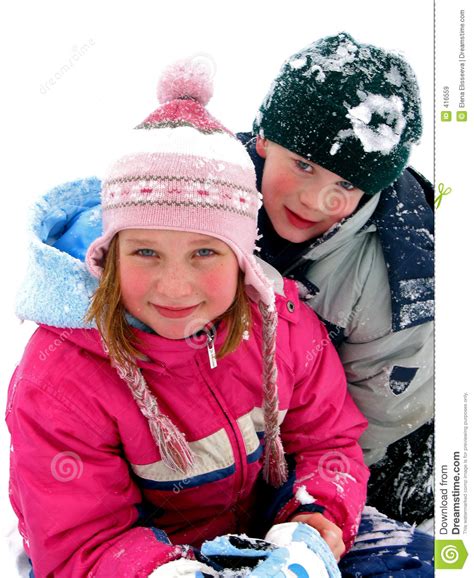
370, 279
91, 493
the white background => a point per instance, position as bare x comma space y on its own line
52, 134
454, 311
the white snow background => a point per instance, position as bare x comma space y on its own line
116, 51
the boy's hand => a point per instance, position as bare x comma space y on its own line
331, 533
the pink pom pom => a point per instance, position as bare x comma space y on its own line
191, 77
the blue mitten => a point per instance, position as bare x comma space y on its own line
292, 550
237, 553
300, 553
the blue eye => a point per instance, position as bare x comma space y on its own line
306, 167
145, 252
346, 185
205, 252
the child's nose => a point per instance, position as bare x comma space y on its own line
174, 282
313, 195
309, 196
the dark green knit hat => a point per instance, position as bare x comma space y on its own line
352, 108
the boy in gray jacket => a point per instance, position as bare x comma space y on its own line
344, 216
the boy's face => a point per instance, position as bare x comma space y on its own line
302, 199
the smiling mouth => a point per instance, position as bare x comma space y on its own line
175, 312
298, 221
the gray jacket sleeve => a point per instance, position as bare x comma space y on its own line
389, 374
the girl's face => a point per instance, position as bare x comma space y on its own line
175, 282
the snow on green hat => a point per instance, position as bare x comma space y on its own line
352, 108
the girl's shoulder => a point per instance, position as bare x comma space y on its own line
304, 352
292, 312
299, 327
55, 348
67, 368
292, 309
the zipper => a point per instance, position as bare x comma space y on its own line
211, 352
241, 457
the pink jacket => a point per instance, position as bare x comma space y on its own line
93, 497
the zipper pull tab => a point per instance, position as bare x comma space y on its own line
211, 334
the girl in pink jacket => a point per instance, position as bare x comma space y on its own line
187, 394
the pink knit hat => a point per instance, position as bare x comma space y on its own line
184, 171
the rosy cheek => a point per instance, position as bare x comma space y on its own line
221, 280
133, 282
213, 282
284, 183
349, 208
278, 183
132, 287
